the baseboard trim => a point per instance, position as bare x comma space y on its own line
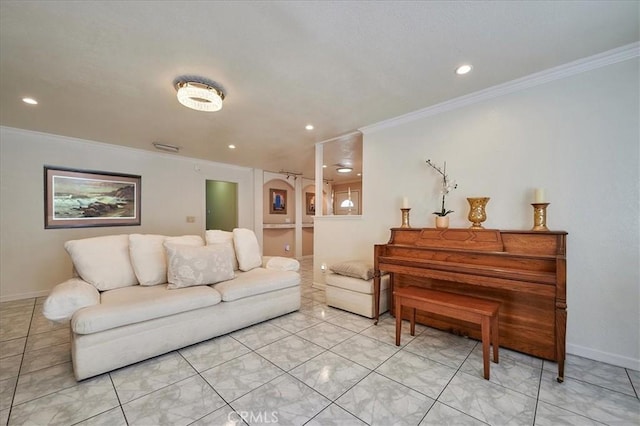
607, 357
21, 296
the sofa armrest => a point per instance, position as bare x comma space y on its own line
280, 263
68, 297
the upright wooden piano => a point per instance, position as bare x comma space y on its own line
524, 270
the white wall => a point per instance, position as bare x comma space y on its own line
33, 260
578, 138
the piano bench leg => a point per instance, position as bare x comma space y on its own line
486, 337
495, 338
413, 321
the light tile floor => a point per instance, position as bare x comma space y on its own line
318, 366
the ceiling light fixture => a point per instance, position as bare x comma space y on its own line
30, 101
344, 169
199, 94
464, 69
165, 147
309, 127
232, 146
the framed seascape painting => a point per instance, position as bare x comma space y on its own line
278, 201
84, 198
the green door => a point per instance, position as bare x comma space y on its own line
222, 205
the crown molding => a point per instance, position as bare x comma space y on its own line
600, 60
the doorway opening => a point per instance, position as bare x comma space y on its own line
221, 205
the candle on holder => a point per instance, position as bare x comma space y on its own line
539, 195
405, 202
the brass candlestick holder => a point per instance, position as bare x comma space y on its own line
405, 218
540, 216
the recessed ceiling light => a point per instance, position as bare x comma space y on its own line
30, 101
463, 69
324, 166
359, 174
309, 127
232, 147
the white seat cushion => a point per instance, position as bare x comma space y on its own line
353, 284
354, 268
148, 258
186, 240
103, 262
247, 249
256, 281
131, 305
216, 236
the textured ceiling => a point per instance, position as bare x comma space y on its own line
103, 70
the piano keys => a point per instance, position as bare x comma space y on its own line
523, 270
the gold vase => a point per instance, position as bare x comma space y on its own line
477, 213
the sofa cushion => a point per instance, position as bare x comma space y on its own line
256, 281
186, 240
353, 284
189, 266
103, 261
132, 305
247, 249
280, 263
68, 297
354, 268
148, 258
216, 236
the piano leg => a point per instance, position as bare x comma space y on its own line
413, 321
561, 327
398, 322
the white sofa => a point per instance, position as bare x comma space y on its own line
138, 296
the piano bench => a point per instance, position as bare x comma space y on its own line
465, 308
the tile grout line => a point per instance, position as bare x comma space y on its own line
24, 349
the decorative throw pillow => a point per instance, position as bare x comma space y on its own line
103, 262
354, 268
189, 266
216, 236
247, 249
148, 258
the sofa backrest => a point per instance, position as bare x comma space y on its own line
115, 261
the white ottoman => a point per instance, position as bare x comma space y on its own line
355, 294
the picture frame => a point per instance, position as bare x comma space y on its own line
310, 203
277, 201
75, 198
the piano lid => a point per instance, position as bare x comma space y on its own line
466, 239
